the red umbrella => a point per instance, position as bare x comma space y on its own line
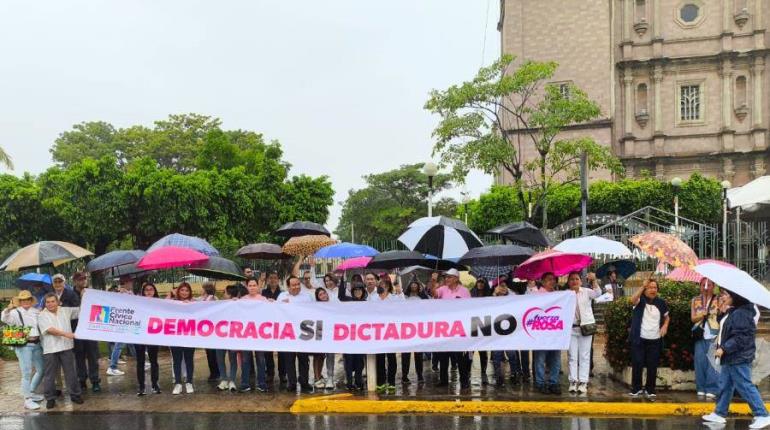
557, 262
168, 257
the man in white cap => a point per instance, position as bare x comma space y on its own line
452, 289
67, 296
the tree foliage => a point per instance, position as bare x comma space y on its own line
490, 122
390, 202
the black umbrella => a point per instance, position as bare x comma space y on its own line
443, 263
397, 259
114, 259
301, 228
624, 269
522, 233
440, 236
496, 255
262, 251
217, 268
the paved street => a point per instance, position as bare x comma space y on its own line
239, 421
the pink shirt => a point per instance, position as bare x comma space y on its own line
460, 292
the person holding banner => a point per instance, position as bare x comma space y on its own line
498, 357
331, 287
227, 379
86, 351
297, 363
549, 359
482, 289
151, 292
452, 289
272, 290
184, 354
415, 291
321, 295
253, 359
21, 312
354, 363
54, 324
386, 375
370, 281
583, 329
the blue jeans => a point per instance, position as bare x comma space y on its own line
30, 356
706, 377
499, 356
117, 348
552, 359
233, 357
737, 377
261, 366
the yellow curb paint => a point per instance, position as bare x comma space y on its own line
338, 406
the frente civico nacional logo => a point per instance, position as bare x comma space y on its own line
113, 319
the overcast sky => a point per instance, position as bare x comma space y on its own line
340, 84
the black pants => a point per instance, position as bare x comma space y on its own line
354, 369
297, 365
463, 366
406, 358
386, 369
645, 355
152, 353
271, 368
484, 358
179, 354
87, 360
211, 358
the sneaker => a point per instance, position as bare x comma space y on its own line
650, 395
188, 387
350, 387
222, 386
711, 396
329, 384
701, 394
177, 389
31, 405
306, 389
391, 388
382, 388
50, 404
760, 423
96, 388
320, 383
573, 387
155, 389
582, 388
115, 372
636, 393
714, 418
231, 386
141, 392
405, 380
554, 389
262, 388
244, 390
36, 397
77, 400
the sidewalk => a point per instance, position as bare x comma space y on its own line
605, 397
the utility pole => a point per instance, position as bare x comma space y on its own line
584, 193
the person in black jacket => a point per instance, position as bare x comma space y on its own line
86, 351
415, 291
735, 351
354, 363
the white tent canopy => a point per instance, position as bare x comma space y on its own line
756, 192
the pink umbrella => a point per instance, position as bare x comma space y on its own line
685, 274
557, 262
168, 257
354, 263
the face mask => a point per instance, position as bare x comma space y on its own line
380, 290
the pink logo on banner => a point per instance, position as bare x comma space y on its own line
536, 319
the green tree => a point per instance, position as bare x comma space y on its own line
95, 139
390, 202
307, 199
23, 219
490, 122
497, 207
5, 159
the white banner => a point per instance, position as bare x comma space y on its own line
531, 322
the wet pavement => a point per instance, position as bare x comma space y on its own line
119, 392
241, 421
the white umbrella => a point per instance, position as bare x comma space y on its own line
755, 192
594, 245
443, 237
737, 281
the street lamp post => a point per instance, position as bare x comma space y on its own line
466, 199
676, 183
430, 169
725, 186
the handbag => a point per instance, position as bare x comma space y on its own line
588, 329
14, 335
698, 329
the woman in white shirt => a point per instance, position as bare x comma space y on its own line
386, 374
23, 313
583, 329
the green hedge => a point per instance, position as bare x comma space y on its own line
677, 345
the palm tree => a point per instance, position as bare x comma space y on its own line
5, 159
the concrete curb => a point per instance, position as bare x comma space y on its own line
346, 404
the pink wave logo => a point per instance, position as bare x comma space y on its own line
537, 319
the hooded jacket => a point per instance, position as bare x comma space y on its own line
738, 336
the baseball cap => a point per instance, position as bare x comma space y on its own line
59, 276
452, 272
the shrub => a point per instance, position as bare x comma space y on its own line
677, 345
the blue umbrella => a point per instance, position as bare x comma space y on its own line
39, 284
624, 269
184, 241
346, 250
114, 259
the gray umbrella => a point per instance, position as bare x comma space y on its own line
301, 228
217, 268
262, 251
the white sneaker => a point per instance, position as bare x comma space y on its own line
329, 384
714, 418
115, 372
177, 389
231, 386
36, 397
760, 423
29, 404
222, 386
188, 387
701, 393
573, 387
320, 383
711, 396
582, 388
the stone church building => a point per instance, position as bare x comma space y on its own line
681, 83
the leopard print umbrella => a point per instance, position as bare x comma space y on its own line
307, 245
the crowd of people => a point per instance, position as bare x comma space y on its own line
722, 325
